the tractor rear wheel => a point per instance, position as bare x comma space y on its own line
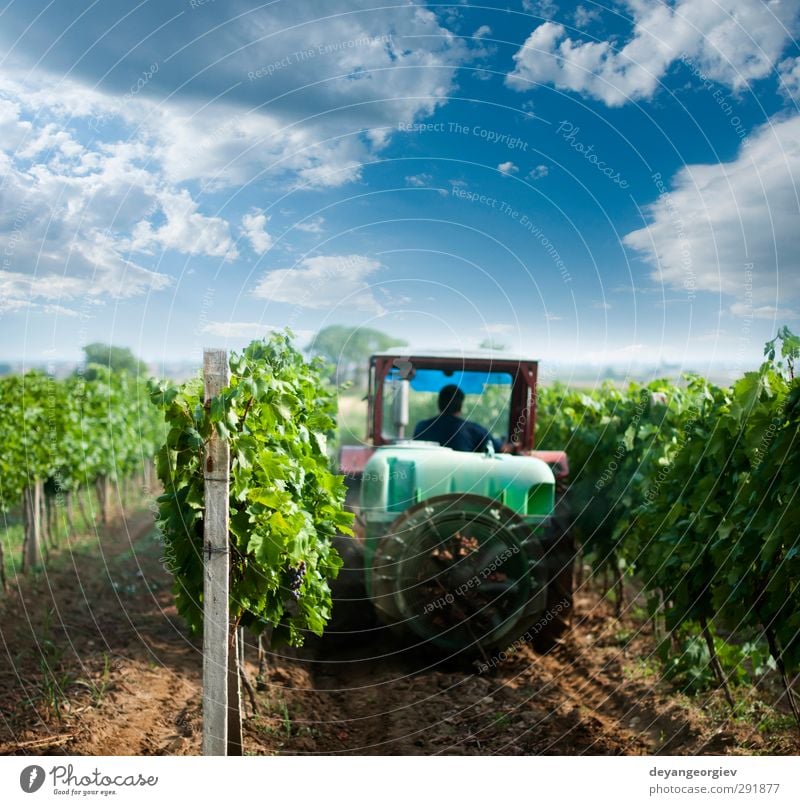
462, 572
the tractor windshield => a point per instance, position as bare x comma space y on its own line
487, 399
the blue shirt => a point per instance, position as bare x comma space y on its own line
453, 431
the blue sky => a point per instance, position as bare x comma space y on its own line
588, 182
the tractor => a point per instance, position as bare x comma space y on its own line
460, 551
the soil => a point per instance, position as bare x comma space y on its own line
98, 662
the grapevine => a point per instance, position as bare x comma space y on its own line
693, 488
64, 436
285, 503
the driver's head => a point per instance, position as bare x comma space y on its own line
451, 398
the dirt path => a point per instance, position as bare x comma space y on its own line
97, 661
591, 694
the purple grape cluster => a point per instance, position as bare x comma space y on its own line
296, 575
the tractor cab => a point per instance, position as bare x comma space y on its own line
500, 396
462, 548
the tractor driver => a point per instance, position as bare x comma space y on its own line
450, 429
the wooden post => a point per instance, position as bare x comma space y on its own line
216, 569
49, 525
69, 513
103, 495
148, 475
43, 519
54, 504
79, 495
264, 644
32, 515
246, 684
261, 676
235, 746
128, 487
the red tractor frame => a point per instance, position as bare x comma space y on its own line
522, 409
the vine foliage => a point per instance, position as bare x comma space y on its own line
285, 502
69, 432
693, 488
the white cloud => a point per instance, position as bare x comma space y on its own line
289, 90
223, 146
721, 219
91, 198
303, 118
539, 172
789, 72
768, 312
324, 282
115, 276
249, 330
50, 138
731, 41
483, 30
254, 229
13, 129
63, 212
185, 230
584, 17
315, 225
110, 202
541, 8
508, 168
237, 329
419, 180
51, 286
20, 291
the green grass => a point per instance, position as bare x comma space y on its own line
82, 541
98, 688
13, 536
12, 532
277, 721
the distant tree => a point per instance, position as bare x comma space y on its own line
117, 358
348, 349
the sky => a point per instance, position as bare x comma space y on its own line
593, 182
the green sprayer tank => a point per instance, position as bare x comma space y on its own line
458, 546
